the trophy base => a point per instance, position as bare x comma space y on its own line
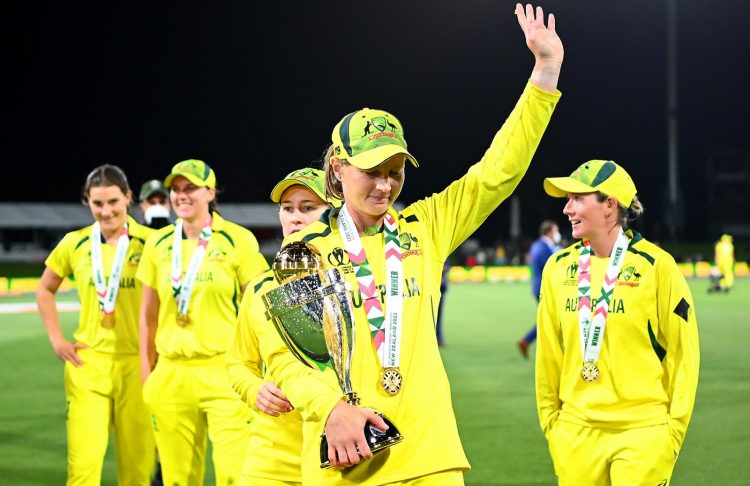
377, 440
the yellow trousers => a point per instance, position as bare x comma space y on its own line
630, 457
106, 392
727, 276
190, 401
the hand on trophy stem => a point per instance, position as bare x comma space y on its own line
271, 400
345, 426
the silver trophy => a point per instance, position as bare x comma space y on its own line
312, 312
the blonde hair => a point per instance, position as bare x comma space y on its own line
334, 189
625, 216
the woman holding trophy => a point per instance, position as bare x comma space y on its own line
273, 453
391, 262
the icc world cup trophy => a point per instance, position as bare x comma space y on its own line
312, 312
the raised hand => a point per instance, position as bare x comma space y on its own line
544, 43
271, 400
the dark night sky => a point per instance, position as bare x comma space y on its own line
255, 88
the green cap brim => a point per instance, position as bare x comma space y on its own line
378, 155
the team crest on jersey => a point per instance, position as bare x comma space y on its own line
629, 276
134, 259
216, 255
410, 244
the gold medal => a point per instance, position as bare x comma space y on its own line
391, 380
182, 319
108, 321
590, 372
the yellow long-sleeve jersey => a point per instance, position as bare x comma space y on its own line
275, 447
650, 356
429, 230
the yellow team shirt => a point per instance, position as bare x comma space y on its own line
231, 260
429, 230
72, 256
650, 356
275, 447
724, 254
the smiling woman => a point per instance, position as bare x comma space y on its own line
614, 405
102, 383
194, 273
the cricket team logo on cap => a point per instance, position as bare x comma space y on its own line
603, 176
196, 171
313, 179
381, 123
367, 138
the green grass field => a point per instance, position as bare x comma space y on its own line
492, 390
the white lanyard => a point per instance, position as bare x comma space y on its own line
592, 330
106, 292
183, 289
386, 332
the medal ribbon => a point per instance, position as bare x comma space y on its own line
592, 330
106, 292
183, 289
383, 331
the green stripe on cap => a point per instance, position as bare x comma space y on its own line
607, 170
344, 133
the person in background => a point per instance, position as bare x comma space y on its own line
102, 368
194, 273
154, 204
617, 355
397, 368
724, 261
541, 249
156, 211
273, 454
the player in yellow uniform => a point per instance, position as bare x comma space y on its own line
194, 273
273, 455
365, 168
102, 367
724, 260
617, 357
